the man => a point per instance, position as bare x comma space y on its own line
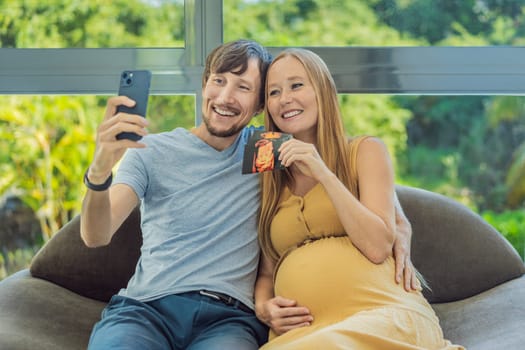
193, 284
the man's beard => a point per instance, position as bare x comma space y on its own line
234, 130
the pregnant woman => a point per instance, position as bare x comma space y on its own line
327, 226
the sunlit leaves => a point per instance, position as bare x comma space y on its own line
49, 139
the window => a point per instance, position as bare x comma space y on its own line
447, 97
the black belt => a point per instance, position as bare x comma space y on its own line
226, 299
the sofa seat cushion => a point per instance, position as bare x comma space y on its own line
494, 319
37, 314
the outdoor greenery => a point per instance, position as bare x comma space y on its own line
93, 23
471, 148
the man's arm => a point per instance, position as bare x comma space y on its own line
405, 270
104, 210
103, 213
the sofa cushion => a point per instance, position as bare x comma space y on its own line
494, 319
96, 273
458, 253
37, 314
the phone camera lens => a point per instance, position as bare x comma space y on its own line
124, 75
128, 81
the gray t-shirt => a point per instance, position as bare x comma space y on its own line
198, 217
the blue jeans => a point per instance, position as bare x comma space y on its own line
181, 321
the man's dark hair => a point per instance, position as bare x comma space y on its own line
234, 56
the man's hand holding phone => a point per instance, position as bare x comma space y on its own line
123, 125
109, 150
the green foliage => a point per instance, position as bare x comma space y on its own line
436, 170
441, 121
510, 224
167, 112
509, 112
515, 180
3, 270
455, 22
308, 22
432, 165
50, 141
481, 131
94, 23
16, 260
485, 162
378, 116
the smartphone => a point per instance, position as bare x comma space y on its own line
135, 85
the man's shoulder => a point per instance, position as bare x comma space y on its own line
165, 137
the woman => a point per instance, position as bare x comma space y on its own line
327, 227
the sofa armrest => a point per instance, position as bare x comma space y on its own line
494, 319
458, 252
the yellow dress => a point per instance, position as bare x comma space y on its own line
356, 304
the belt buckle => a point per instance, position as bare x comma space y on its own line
226, 299
223, 298
229, 300
210, 295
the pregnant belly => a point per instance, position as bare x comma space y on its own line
334, 280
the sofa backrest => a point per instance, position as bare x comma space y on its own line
458, 253
96, 273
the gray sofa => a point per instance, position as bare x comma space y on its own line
477, 280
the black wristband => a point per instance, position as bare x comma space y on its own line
98, 188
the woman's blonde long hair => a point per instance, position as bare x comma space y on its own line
331, 143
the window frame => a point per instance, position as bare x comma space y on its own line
489, 70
